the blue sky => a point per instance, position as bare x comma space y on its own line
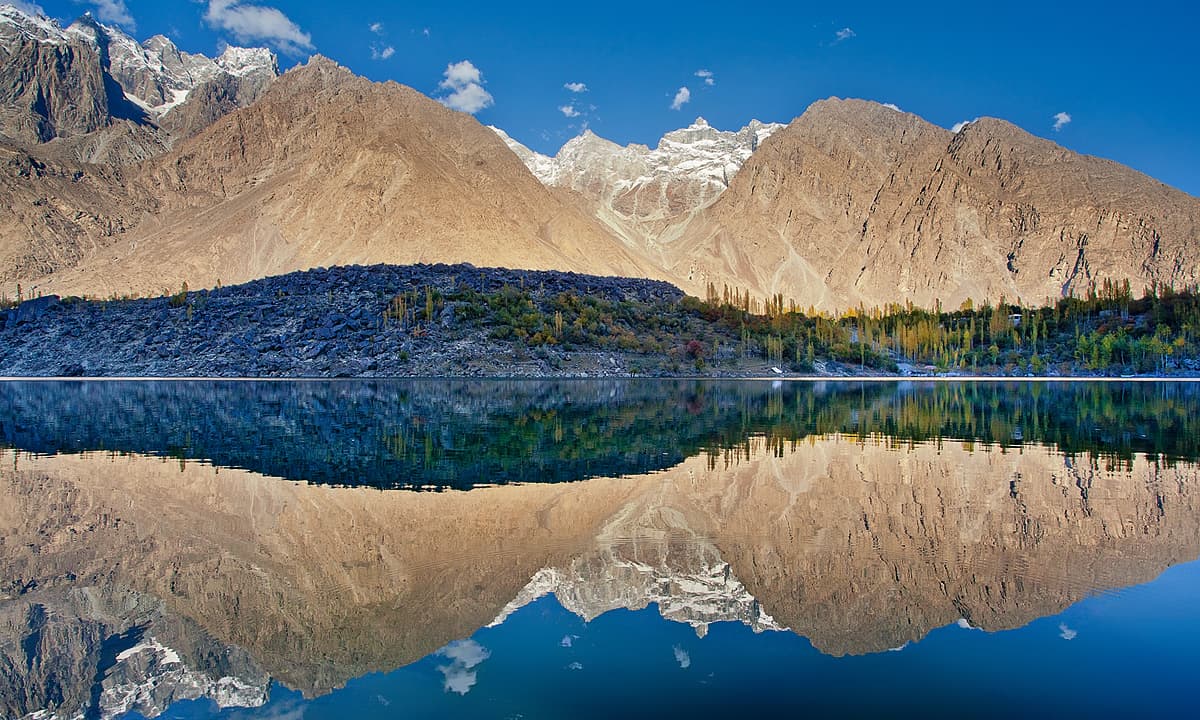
1127, 74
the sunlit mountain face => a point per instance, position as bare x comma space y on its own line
207, 549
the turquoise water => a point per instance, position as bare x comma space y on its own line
598, 549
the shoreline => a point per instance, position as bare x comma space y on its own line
446, 322
656, 378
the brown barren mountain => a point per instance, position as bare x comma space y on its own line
855, 202
60, 213
331, 169
852, 203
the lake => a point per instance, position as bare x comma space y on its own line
598, 548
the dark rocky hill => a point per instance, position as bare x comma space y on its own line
376, 321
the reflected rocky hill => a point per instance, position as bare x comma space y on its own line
857, 545
101, 652
462, 434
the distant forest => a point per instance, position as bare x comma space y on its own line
1107, 332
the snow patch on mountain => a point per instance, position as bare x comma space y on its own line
697, 597
149, 677
542, 166
16, 25
239, 61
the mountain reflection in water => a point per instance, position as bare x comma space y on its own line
860, 518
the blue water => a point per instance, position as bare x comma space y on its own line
739, 505
1130, 653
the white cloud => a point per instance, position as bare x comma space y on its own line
567, 641
892, 106
568, 110
682, 657
464, 657
576, 87
425, 32
1065, 632
682, 97
27, 7
965, 624
958, 126
465, 83
844, 34
376, 27
461, 74
1061, 120
707, 76
255, 23
114, 12
382, 53
575, 666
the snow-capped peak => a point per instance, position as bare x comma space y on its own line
639, 188
16, 25
240, 61
150, 676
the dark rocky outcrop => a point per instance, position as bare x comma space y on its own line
319, 323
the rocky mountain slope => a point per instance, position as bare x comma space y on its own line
325, 169
78, 108
857, 203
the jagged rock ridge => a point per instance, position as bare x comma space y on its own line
66, 83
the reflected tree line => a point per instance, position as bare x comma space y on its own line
464, 434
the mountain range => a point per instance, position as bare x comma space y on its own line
132, 168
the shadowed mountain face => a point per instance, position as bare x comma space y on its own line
89, 78
858, 544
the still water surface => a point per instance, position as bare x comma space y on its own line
597, 548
